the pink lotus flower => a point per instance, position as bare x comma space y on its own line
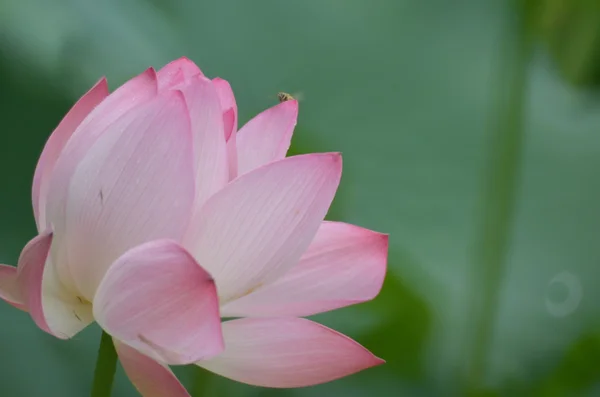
156, 218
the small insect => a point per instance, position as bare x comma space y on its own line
284, 97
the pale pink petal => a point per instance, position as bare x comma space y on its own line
210, 155
266, 137
157, 299
286, 353
228, 105
64, 311
53, 308
150, 378
133, 93
29, 276
177, 73
230, 120
9, 288
57, 142
257, 227
132, 187
232, 156
344, 265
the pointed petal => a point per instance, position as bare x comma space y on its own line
136, 91
131, 188
29, 276
287, 352
50, 305
230, 120
257, 227
57, 142
210, 155
157, 299
150, 378
133, 93
266, 137
344, 265
177, 73
9, 288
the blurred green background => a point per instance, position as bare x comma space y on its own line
444, 110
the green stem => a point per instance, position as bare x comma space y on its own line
203, 384
106, 364
498, 198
